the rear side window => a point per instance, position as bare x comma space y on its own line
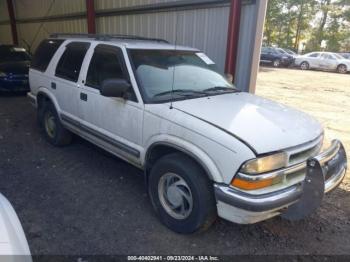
44, 53
70, 62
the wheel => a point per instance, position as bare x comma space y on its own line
181, 194
277, 63
304, 65
54, 132
342, 69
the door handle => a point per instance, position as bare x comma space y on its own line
53, 85
83, 96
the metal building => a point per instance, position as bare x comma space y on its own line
229, 31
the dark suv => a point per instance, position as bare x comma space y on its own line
275, 57
14, 67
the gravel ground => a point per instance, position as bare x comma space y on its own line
79, 200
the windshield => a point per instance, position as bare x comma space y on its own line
164, 75
14, 55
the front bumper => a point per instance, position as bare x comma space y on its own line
242, 207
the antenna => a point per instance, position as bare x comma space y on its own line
173, 82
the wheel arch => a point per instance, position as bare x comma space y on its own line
43, 97
161, 148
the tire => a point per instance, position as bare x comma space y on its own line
304, 66
181, 194
342, 69
276, 63
52, 127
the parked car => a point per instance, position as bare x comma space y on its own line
14, 67
291, 52
276, 57
13, 243
345, 55
206, 149
323, 61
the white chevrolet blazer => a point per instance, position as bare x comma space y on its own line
206, 148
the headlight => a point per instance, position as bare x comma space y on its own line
265, 164
285, 57
2, 74
248, 179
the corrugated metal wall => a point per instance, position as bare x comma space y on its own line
199, 25
205, 29
5, 29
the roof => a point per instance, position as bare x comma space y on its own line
131, 42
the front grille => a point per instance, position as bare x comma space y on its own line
305, 154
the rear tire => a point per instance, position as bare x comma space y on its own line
181, 194
342, 69
52, 127
304, 66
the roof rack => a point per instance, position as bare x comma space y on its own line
106, 37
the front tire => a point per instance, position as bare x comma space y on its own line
342, 69
52, 127
276, 63
181, 194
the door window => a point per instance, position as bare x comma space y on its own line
70, 63
107, 63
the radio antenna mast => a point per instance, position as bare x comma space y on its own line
173, 80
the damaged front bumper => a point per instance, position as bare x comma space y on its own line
323, 173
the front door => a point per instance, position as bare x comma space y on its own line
114, 123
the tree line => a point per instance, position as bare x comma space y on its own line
310, 25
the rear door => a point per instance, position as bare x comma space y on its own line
113, 123
65, 82
328, 62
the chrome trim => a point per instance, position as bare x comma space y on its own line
335, 180
282, 198
274, 174
329, 153
271, 201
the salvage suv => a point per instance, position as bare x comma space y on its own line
206, 148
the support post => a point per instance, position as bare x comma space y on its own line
12, 22
91, 15
233, 37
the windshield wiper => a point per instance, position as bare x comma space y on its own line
182, 92
221, 88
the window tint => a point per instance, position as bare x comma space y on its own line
70, 62
44, 53
107, 63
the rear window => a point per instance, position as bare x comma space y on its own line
44, 53
70, 62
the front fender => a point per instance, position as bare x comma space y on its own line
188, 148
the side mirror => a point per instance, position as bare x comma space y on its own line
114, 87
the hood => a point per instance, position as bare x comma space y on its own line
262, 124
17, 68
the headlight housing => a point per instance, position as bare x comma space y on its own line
265, 164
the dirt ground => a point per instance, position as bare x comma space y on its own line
79, 200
